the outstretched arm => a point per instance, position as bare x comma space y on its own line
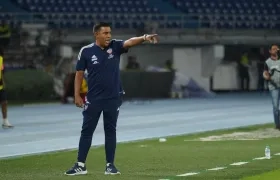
152, 38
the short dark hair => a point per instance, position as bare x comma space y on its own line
272, 46
99, 25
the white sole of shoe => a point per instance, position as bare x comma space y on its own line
107, 173
7, 127
77, 174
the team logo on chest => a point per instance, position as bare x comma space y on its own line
94, 59
110, 51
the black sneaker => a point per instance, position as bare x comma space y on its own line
111, 170
76, 170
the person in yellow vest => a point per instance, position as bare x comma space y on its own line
3, 95
84, 90
69, 88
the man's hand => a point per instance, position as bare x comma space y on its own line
266, 76
79, 101
152, 38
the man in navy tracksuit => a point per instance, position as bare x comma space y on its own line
101, 60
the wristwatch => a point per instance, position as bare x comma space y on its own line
144, 37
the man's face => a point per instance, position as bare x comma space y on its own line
103, 36
274, 50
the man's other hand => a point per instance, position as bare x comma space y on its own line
79, 101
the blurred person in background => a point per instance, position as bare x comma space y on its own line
243, 71
5, 35
272, 75
68, 87
3, 95
132, 64
84, 88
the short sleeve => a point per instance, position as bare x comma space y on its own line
119, 46
81, 62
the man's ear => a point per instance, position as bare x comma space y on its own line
95, 34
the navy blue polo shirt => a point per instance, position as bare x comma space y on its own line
103, 70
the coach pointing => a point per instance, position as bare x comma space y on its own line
101, 59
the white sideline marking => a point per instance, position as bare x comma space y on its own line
216, 169
163, 179
260, 158
142, 146
221, 168
238, 163
188, 174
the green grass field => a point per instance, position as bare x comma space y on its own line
273, 175
153, 160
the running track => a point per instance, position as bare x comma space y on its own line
45, 128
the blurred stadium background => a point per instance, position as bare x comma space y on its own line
203, 45
206, 48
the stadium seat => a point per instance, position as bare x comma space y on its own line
91, 6
224, 14
238, 12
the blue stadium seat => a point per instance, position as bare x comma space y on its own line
98, 10
239, 8
224, 14
97, 6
